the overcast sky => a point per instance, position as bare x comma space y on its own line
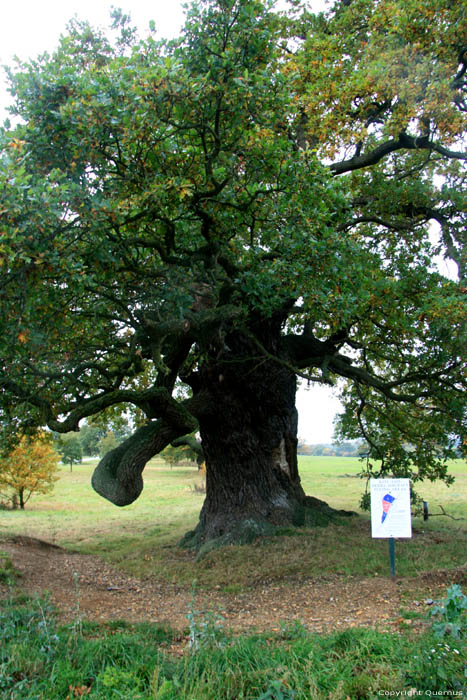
30, 27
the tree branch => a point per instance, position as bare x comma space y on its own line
117, 477
403, 142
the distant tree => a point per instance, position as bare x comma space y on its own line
303, 448
346, 449
107, 443
173, 455
185, 449
31, 467
69, 448
328, 452
363, 449
89, 436
113, 420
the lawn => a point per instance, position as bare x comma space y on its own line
142, 538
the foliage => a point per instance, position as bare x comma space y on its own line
205, 629
69, 447
186, 449
107, 443
29, 468
437, 665
8, 572
450, 615
176, 455
165, 204
440, 662
278, 691
89, 436
112, 420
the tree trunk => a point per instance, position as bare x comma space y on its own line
249, 439
21, 498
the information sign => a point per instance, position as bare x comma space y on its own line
390, 508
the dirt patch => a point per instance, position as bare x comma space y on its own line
85, 585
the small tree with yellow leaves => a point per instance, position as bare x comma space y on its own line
30, 468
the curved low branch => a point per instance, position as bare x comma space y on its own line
118, 476
308, 351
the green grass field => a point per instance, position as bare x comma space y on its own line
142, 538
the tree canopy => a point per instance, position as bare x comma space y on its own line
250, 203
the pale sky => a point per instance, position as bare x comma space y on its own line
30, 27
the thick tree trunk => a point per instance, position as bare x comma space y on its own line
244, 402
249, 439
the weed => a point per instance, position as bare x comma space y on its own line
293, 630
8, 573
205, 628
450, 614
37, 660
437, 667
77, 624
277, 690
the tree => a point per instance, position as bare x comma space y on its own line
30, 468
108, 443
184, 449
248, 204
303, 448
89, 436
69, 448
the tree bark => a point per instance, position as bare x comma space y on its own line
249, 439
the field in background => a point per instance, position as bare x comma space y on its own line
142, 538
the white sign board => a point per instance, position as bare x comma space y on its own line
390, 508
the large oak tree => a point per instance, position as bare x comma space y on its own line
189, 226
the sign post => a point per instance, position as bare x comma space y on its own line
390, 512
392, 557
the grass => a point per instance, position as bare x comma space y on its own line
142, 538
41, 661
8, 573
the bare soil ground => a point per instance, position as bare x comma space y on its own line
86, 586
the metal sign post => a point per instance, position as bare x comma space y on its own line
390, 513
392, 557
